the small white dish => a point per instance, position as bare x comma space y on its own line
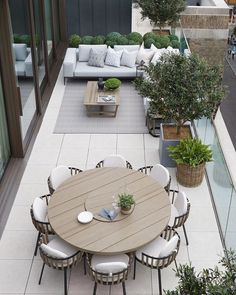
85, 217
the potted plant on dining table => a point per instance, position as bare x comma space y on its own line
126, 203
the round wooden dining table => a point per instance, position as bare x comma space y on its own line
95, 189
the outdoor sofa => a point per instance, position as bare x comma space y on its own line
23, 60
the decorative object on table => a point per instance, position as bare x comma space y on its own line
100, 84
106, 98
112, 83
85, 217
109, 214
140, 68
190, 156
182, 99
126, 202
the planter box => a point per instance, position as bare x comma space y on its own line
165, 159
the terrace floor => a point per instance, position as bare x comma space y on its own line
19, 269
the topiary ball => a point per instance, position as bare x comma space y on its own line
25, 39
175, 44
98, 39
16, 38
74, 40
157, 45
148, 42
173, 37
164, 41
149, 35
113, 36
122, 40
136, 37
111, 43
132, 42
87, 40
112, 83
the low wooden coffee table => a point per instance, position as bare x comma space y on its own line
100, 108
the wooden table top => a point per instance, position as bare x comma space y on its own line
148, 219
91, 95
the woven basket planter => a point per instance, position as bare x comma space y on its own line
190, 176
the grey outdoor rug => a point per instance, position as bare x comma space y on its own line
72, 116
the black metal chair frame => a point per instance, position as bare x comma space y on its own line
148, 169
73, 171
101, 164
180, 220
61, 264
163, 262
107, 279
43, 228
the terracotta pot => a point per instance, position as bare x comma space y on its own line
190, 176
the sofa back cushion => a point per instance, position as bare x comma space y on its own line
20, 51
128, 58
113, 57
84, 50
127, 47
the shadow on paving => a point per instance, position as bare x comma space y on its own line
228, 105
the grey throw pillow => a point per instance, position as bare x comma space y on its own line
96, 58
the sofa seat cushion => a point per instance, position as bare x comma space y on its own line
20, 68
84, 70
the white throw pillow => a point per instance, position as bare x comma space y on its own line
40, 209
128, 58
157, 55
110, 267
145, 55
169, 247
170, 49
154, 48
113, 57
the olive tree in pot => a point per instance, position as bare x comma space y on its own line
190, 156
182, 89
161, 12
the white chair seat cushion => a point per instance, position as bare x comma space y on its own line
169, 247
58, 175
40, 210
114, 161
152, 249
57, 248
109, 264
113, 57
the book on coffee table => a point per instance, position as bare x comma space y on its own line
106, 98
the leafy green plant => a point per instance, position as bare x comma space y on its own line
98, 39
182, 88
157, 45
16, 38
87, 40
148, 42
112, 83
211, 281
173, 37
132, 42
25, 39
74, 40
190, 151
136, 37
161, 12
111, 43
164, 41
125, 200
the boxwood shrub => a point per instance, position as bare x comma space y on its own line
87, 40
98, 39
113, 36
74, 40
175, 44
111, 43
136, 37
148, 42
122, 40
149, 35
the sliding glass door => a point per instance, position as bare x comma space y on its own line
4, 141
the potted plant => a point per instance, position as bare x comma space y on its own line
161, 12
112, 83
182, 89
190, 156
126, 201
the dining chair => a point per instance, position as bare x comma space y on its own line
38, 212
58, 254
160, 253
114, 161
59, 174
160, 174
109, 270
180, 209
